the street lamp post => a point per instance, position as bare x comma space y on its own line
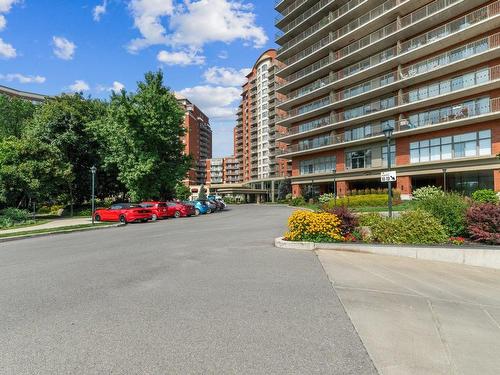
444, 179
334, 172
388, 131
93, 170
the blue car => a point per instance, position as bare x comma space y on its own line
200, 207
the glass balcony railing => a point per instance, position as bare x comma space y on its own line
441, 32
350, 27
289, 9
453, 113
323, 22
436, 62
302, 17
429, 91
307, 108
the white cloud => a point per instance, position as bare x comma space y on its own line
79, 86
216, 102
205, 21
116, 87
194, 24
5, 5
7, 51
226, 76
147, 18
63, 48
100, 10
182, 58
223, 55
22, 78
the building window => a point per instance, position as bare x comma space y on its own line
393, 155
321, 141
319, 165
358, 133
453, 147
359, 159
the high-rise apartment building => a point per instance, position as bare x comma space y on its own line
428, 69
255, 144
197, 141
222, 171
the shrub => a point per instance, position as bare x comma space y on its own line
412, 227
450, 209
485, 196
313, 226
426, 192
370, 200
12, 216
16, 215
483, 223
325, 198
348, 220
369, 220
298, 201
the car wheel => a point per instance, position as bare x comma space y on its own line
123, 219
154, 217
144, 220
97, 218
197, 212
177, 214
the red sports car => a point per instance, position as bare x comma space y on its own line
124, 213
180, 210
160, 209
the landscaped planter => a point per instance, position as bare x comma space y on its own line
481, 256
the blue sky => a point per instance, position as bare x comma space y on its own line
203, 46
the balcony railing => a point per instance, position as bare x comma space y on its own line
305, 15
289, 9
460, 112
413, 70
350, 27
310, 107
481, 14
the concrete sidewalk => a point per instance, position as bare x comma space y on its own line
420, 317
56, 223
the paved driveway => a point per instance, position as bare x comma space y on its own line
206, 295
420, 317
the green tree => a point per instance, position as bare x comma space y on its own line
202, 195
64, 123
14, 114
31, 169
284, 188
182, 192
141, 135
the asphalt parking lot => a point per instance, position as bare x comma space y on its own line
205, 295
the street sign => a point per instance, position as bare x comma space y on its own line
388, 176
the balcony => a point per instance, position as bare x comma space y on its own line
394, 55
364, 24
461, 115
309, 13
448, 62
389, 106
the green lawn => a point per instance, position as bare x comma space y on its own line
54, 230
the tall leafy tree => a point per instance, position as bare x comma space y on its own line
142, 138
14, 115
31, 169
63, 122
182, 192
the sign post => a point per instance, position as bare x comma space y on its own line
389, 177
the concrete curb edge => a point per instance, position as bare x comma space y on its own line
479, 257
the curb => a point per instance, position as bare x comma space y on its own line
479, 257
67, 231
